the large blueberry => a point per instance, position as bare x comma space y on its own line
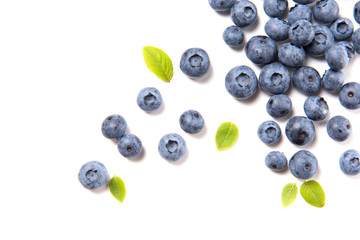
291, 56
149, 99
337, 57
303, 165
342, 28
316, 108
261, 50
114, 127
195, 62
243, 13
275, 8
221, 5
349, 95
172, 147
279, 105
233, 36
191, 121
357, 12
269, 132
307, 80
326, 11
241, 82
332, 81
277, 29
339, 128
356, 40
93, 175
301, 33
300, 130
276, 161
299, 12
350, 162
274, 78
323, 40
130, 146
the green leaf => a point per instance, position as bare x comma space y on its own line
289, 194
313, 193
117, 188
158, 62
226, 135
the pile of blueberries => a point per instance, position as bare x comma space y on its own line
296, 37
288, 42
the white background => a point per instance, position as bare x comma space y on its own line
66, 65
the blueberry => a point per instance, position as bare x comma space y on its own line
243, 13
342, 29
337, 56
172, 147
276, 161
326, 11
93, 175
339, 128
269, 132
299, 12
261, 50
114, 127
241, 82
233, 36
191, 121
300, 130
195, 62
307, 80
349, 95
316, 108
303, 165
332, 81
130, 146
301, 33
277, 29
274, 78
275, 8
221, 5
356, 40
349, 162
291, 56
357, 12
304, 1
279, 105
149, 99
323, 40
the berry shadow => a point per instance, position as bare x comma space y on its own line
201, 134
206, 78
158, 111
223, 13
140, 157
252, 27
182, 160
101, 189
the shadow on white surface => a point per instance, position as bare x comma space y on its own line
201, 134
182, 160
206, 78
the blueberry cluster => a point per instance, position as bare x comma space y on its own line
282, 52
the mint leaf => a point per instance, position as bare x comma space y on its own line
289, 194
158, 62
117, 188
313, 193
226, 135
